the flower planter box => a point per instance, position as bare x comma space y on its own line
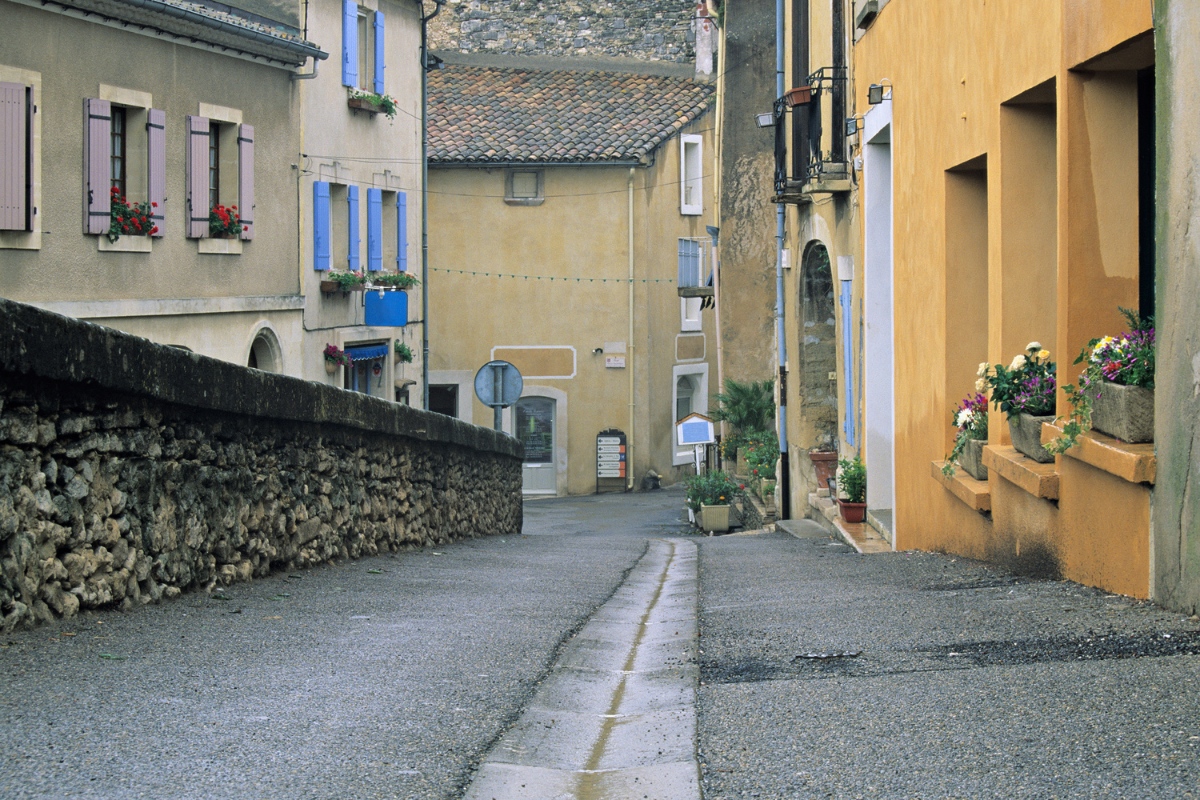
971, 459
363, 104
1027, 436
799, 96
852, 512
1124, 412
714, 518
332, 286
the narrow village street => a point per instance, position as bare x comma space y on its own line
760, 664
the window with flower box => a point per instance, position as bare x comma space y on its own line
219, 179
125, 157
362, 47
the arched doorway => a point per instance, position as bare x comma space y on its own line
818, 350
265, 352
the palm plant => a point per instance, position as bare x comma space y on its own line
747, 407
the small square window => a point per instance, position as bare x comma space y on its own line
524, 187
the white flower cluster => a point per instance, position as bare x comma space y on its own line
965, 418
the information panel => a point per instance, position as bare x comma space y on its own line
610, 457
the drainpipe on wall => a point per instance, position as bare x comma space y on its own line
425, 199
780, 407
629, 346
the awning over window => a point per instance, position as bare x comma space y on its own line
367, 353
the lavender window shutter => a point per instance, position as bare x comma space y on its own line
352, 227
374, 229
156, 145
97, 169
349, 43
322, 256
196, 179
14, 155
402, 231
246, 179
379, 61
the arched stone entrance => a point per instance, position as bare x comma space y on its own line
817, 388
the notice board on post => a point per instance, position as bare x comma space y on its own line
610, 459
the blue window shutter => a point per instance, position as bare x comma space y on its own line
352, 227
402, 231
379, 65
848, 425
374, 229
321, 249
349, 43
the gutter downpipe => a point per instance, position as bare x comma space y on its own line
425, 199
780, 406
629, 439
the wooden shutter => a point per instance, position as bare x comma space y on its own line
352, 227
246, 179
402, 231
374, 229
97, 169
379, 59
321, 244
349, 43
196, 179
14, 157
156, 168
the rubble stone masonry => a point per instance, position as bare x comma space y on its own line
650, 30
130, 471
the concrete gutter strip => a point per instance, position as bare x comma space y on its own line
616, 717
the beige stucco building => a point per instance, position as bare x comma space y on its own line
171, 105
358, 188
558, 201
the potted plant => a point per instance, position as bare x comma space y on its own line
852, 481
1115, 392
711, 495
404, 353
1024, 391
373, 103
343, 282
971, 422
748, 408
762, 454
129, 219
335, 358
797, 96
225, 223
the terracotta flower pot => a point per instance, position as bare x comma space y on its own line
825, 463
1027, 436
798, 96
852, 512
1125, 412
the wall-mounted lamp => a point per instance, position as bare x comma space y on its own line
597, 350
766, 120
875, 92
853, 124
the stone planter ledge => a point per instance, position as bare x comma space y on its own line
975, 494
1040, 480
1135, 463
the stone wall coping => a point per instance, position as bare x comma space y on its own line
46, 345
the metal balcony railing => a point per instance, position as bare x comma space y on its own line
810, 137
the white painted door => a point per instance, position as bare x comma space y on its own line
534, 422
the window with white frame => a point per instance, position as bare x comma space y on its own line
691, 174
362, 48
689, 395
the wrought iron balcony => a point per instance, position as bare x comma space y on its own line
810, 138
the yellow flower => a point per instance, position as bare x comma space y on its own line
1043, 354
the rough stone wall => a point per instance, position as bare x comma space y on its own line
116, 489
650, 30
